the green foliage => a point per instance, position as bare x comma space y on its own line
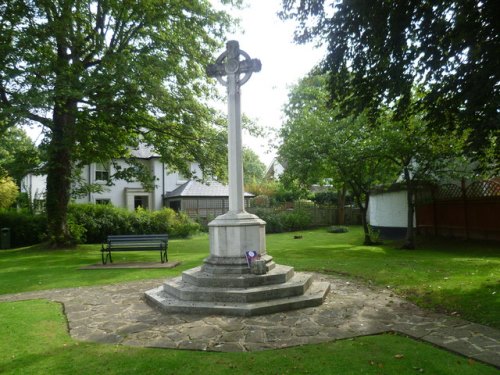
91, 223
8, 192
378, 51
25, 228
260, 201
98, 221
253, 168
257, 188
278, 221
101, 77
338, 229
374, 235
444, 274
325, 198
18, 155
348, 150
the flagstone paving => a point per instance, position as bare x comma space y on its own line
118, 314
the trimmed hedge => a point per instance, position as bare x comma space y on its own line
25, 228
284, 221
91, 223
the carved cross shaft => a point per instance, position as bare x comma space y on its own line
229, 64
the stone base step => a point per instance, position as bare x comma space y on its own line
196, 276
313, 296
185, 291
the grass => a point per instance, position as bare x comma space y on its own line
39, 344
451, 276
36, 268
455, 276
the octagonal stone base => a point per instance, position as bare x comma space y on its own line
224, 283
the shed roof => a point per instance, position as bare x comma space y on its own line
194, 188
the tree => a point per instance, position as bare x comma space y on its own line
253, 168
8, 192
100, 76
18, 155
318, 145
420, 156
379, 50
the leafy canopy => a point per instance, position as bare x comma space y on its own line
100, 76
379, 50
18, 154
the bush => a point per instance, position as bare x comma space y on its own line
295, 220
98, 221
284, 221
92, 223
260, 201
336, 229
25, 229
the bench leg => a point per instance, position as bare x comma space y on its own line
105, 258
163, 256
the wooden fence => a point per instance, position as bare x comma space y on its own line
463, 211
320, 215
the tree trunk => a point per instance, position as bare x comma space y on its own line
59, 175
410, 231
341, 205
363, 207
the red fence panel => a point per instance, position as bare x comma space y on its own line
460, 211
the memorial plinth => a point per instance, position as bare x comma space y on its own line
226, 283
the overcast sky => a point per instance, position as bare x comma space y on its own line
264, 36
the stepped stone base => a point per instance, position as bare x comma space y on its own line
226, 285
201, 291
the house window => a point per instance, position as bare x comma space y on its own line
102, 201
141, 201
101, 172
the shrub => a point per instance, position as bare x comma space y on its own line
284, 221
272, 219
92, 223
325, 198
260, 201
339, 229
8, 192
98, 221
25, 229
295, 220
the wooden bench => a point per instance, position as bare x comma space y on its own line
142, 242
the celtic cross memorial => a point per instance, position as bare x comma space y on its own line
237, 231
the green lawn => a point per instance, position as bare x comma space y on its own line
39, 344
456, 276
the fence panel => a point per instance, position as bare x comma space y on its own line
461, 211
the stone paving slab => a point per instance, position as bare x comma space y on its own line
118, 314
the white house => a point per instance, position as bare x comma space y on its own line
122, 193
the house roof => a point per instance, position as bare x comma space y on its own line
197, 189
144, 151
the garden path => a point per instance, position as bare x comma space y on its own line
118, 314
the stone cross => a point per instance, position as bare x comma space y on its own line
238, 72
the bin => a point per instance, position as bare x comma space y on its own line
5, 238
